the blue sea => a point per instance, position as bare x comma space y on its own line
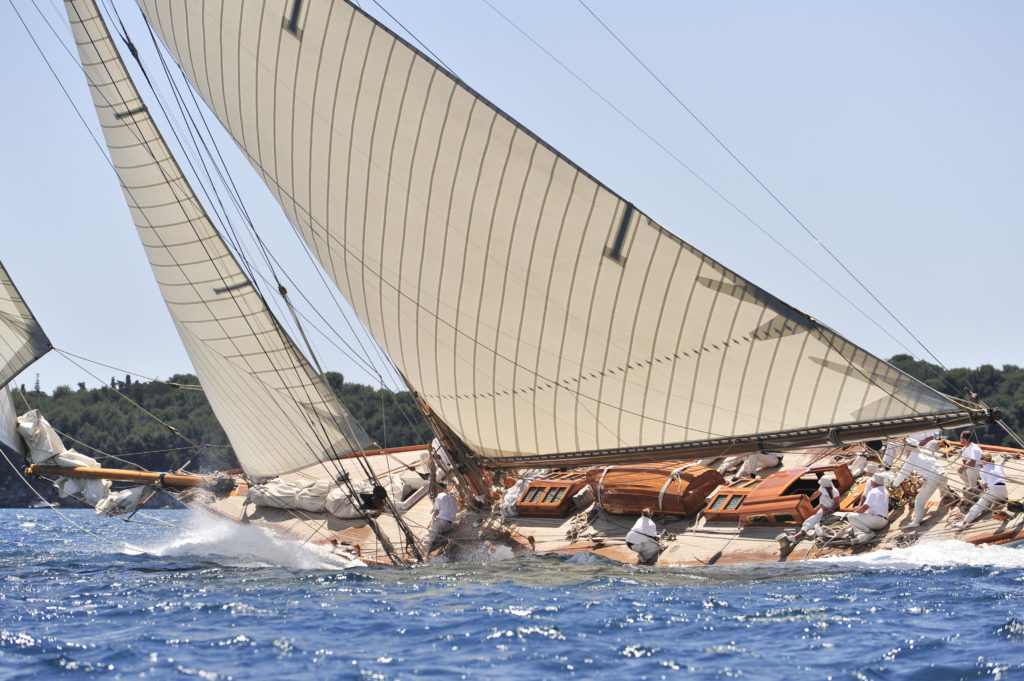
173, 595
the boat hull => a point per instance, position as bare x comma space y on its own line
484, 534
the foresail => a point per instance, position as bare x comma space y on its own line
275, 409
536, 312
22, 340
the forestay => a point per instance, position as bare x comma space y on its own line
275, 409
535, 311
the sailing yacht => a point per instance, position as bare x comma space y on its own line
577, 362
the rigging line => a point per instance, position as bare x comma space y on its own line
696, 175
770, 193
412, 35
195, 158
53, 72
228, 181
362, 361
181, 386
60, 83
153, 416
368, 471
1013, 434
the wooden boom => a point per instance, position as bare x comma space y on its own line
165, 479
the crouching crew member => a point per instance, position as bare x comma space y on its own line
873, 512
643, 538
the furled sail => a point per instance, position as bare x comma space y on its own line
536, 312
277, 412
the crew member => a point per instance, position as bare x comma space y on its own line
828, 501
643, 538
752, 463
922, 462
873, 512
445, 508
993, 485
970, 461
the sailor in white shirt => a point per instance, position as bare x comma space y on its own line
921, 462
828, 501
643, 538
445, 508
896, 450
993, 482
970, 461
873, 512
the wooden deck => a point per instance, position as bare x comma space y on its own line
686, 542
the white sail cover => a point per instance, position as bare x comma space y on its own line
533, 309
278, 414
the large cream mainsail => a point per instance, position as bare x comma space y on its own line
534, 310
275, 409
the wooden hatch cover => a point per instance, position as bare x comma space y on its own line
551, 496
677, 488
786, 497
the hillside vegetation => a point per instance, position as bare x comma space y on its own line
133, 421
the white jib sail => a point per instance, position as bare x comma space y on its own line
278, 414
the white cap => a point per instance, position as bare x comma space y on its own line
931, 445
878, 479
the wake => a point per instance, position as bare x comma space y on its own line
242, 546
944, 553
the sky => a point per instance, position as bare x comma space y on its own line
891, 131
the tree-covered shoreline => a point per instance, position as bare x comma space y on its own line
164, 425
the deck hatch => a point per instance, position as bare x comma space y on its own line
735, 502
